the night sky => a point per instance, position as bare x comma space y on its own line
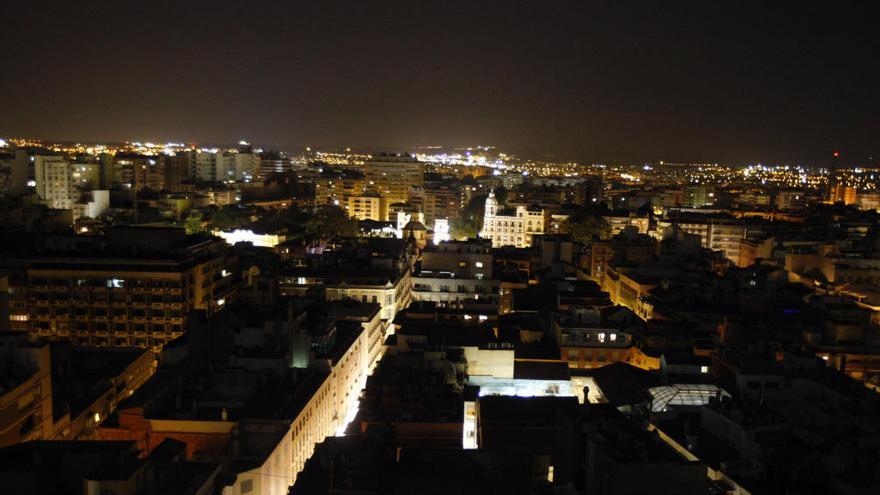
677, 81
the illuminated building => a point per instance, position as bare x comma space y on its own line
629, 288
59, 182
203, 166
833, 268
755, 198
134, 288
366, 207
841, 193
456, 272
403, 214
258, 417
245, 235
754, 248
717, 232
241, 166
441, 230
383, 287
869, 201
393, 176
699, 196
512, 226
586, 343
618, 221
337, 187
91, 204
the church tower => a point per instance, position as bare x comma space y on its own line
491, 204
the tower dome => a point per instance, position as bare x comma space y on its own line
491, 204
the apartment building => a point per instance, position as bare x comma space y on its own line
394, 177
337, 187
59, 183
134, 287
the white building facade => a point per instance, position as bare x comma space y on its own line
512, 226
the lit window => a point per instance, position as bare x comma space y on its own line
704, 369
479, 264
601, 337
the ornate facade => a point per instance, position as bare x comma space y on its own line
511, 226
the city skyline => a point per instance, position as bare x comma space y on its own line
425, 247
719, 83
429, 153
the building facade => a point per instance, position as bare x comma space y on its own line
117, 299
60, 183
511, 227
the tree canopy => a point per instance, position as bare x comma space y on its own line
329, 222
469, 221
194, 223
586, 225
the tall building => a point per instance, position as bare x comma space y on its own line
369, 206
272, 163
135, 287
139, 171
59, 182
176, 171
511, 226
240, 166
717, 232
442, 200
393, 176
841, 193
203, 166
337, 187
699, 196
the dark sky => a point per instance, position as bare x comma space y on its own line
603, 81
